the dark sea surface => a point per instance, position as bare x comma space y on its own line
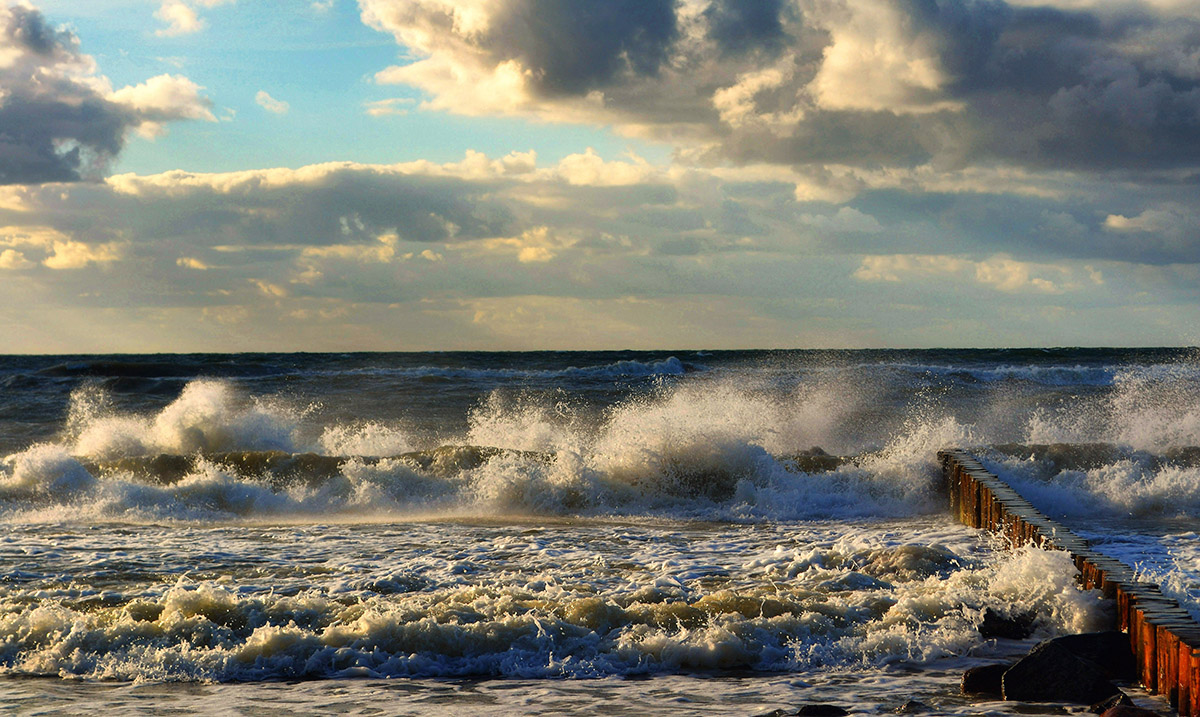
685, 532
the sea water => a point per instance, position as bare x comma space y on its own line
560, 533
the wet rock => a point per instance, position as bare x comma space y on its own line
1128, 711
821, 711
1052, 673
912, 707
983, 680
1121, 700
1185, 456
814, 460
1011, 627
1110, 650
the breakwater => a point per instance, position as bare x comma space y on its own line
1163, 636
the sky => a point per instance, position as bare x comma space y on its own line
332, 175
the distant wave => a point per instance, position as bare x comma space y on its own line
671, 366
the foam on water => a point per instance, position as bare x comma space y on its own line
712, 449
491, 603
208, 415
568, 525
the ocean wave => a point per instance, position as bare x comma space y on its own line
711, 482
836, 609
670, 366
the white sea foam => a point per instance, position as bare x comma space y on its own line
207, 416
498, 605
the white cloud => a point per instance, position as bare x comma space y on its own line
164, 98
270, 104
878, 61
999, 272
11, 259
844, 220
77, 255
181, 17
1150, 220
60, 118
189, 262
398, 106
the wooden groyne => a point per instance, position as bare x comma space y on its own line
1164, 637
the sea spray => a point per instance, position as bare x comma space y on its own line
766, 527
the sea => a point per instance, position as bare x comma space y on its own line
565, 533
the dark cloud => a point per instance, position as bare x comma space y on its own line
58, 120
351, 205
54, 126
889, 83
575, 46
27, 28
739, 26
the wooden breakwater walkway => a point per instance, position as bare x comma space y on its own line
1164, 637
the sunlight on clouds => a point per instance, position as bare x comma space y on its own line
181, 17
591, 170
999, 272
877, 62
738, 107
59, 251
270, 289
1151, 220
534, 245
382, 252
163, 98
189, 262
77, 255
13, 260
464, 87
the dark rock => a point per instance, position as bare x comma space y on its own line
1014, 627
814, 460
1127, 711
1119, 700
912, 707
821, 711
983, 680
1186, 456
1110, 650
1052, 673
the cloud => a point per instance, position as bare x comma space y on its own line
181, 17
345, 254
892, 83
77, 255
999, 272
11, 259
270, 104
60, 121
844, 220
191, 262
391, 106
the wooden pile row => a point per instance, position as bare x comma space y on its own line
1163, 636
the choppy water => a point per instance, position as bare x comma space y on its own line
557, 533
